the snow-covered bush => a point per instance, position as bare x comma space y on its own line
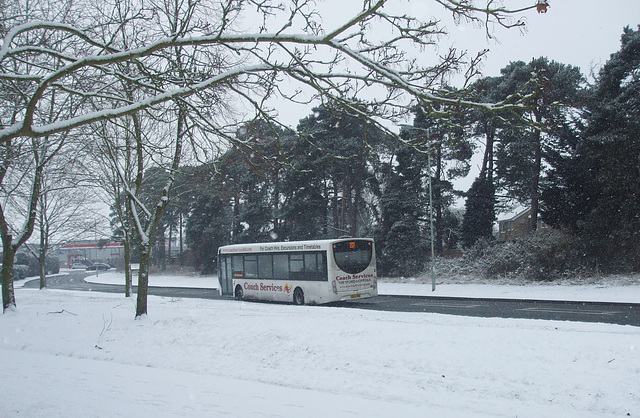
543, 256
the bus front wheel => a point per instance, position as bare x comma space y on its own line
239, 292
298, 296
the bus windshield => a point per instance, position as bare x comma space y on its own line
352, 256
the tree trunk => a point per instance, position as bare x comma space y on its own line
349, 218
334, 209
536, 177
636, 238
42, 267
180, 245
42, 252
327, 209
235, 226
8, 246
357, 204
8, 257
128, 280
344, 204
438, 202
354, 214
161, 253
146, 235
487, 161
169, 249
276, 205
143, 280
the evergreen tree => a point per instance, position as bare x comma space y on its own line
339, 148
208, 228
451, 151
304, 205
251, 174
236, 199
486, 123
523, 144
479, 212
480, 200
186, 189
597, 185
401, 238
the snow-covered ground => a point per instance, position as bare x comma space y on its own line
82, 354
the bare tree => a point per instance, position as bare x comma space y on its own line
24, 158
339, 63
197, 56
114, 165
65, 207
25, 171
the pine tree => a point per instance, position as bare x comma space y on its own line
251, 172
521, 150
208, 228
479, 212
440, 131
597, 193
339, 148
401, 238
479, 215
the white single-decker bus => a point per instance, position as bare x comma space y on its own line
299, 272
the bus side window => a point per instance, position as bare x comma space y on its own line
280, 266
237, 268
265, 266
250, 266
314, 265
296, 263
311, 262
322, 262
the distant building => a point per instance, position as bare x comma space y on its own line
517, 226
88, 252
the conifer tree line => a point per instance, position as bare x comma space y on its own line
572, 154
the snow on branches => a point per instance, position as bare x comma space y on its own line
199, 54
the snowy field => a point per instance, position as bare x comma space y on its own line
82, 354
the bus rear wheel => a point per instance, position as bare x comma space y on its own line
298, 296
238, 292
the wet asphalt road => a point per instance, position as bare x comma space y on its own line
611, 313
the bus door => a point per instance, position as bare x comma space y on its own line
224, 276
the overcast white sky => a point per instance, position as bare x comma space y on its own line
583, 33
577, 32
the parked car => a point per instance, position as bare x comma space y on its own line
99, 266
76, 266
